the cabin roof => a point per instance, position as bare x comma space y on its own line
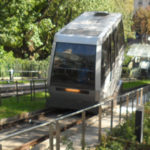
90, 25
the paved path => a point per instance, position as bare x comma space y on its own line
73, 136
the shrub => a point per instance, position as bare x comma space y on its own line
125, 71
8, 61
127, 60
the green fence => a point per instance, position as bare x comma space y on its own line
26, 68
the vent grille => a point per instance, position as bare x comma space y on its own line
97, 14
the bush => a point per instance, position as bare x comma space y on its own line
125, 71
141, 21
111, 145
125, 134
8, 62
127, 60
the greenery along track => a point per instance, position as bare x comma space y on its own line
124, 134
11, 107
128, 85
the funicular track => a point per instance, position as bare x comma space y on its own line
31, 124
34, 121
26, 118
60, 123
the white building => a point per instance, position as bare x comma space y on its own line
141, 3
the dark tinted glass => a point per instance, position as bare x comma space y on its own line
120, 35
112, 48
116, 42
106, 60
74, 66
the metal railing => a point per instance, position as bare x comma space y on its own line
136, 97
25, 74
18, 89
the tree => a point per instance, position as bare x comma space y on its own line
27, 27
141, 21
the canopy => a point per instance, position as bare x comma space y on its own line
139, 50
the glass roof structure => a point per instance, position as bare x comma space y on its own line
139, 50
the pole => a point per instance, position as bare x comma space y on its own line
0, 146
99, 127
111, 123
45, 90
57, 136
139, 123
83, 130
141, 97
127, 104
137, 98
120, 110
31, 89
51, 144
17, 91
0, 98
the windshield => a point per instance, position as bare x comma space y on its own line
74, 66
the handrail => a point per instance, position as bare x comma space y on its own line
57, 119
136, 90
107, 100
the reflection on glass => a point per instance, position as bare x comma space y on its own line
106, 60
74, 65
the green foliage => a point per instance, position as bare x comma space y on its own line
107, 144
146, 133
134, 84
10, 107
126, 131
141, 20
2, 52
125, 72
8, 61
68, 143
127, 60
27, 27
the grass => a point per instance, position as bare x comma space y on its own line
10, 107
134, 84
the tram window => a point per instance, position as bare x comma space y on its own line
120, 35
116, 42
74, 66
140, 3
106, 61
112, 49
